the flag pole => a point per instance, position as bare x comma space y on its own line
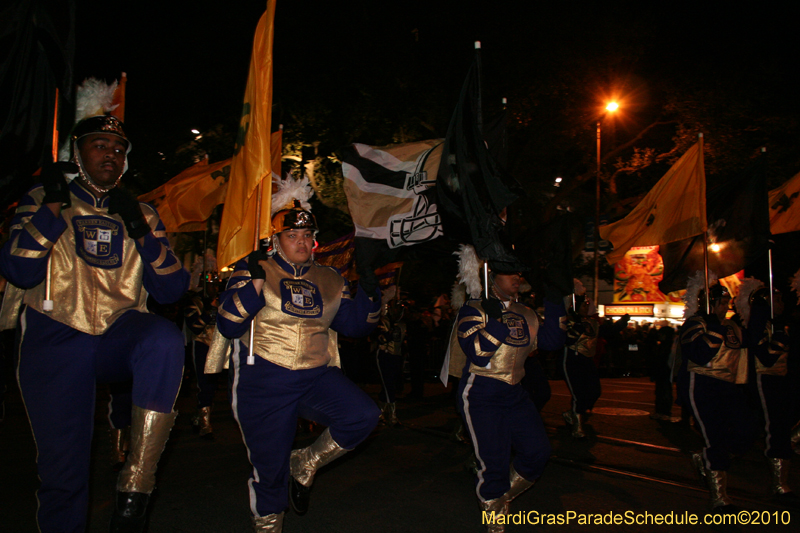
479, 122
251, 359
480, 88
769, 259
47, 304
205, 247
705, 239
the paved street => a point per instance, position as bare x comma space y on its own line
412, 478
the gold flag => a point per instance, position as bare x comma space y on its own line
252, 159
186, 201
674, 209
784, 213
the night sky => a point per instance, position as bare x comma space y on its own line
187, 61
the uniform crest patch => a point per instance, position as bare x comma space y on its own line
99, 241
300, 298
518, 335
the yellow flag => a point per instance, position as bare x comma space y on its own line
674, 209
186, 201
252, 159
784, 212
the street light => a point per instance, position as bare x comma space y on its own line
610, 108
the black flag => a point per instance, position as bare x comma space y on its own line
38, 59
472, 189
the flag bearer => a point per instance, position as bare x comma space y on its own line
580, 371
295, 306
771, 356
717, 364
495, 336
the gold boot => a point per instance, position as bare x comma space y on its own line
700, 468
494, 513
201, 421
303, 465
389, 414
149, 433
718, 489
518, 485
120, 445
137, 479
272, 523
576, 421
780, 476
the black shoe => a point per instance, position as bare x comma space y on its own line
299, 496
129, 512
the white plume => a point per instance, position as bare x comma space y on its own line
290, 189
692, 296
93, 97
469, 266
458, 295
746, 289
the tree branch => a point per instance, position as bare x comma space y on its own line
583, 178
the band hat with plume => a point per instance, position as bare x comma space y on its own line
696, 284
93, 98
290, 206
742, 301
288, 190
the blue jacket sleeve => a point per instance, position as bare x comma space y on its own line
701, 339
478, 336
358, 316
34, 231
164, 276
196, 317
553, 331
238, 304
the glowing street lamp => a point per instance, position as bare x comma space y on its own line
610, 108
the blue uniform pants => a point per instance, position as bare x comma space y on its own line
59, 368
501, 417
725, 419
583, 381
268, 398
776, 397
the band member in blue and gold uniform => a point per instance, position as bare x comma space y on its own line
95, 252
201, 320
771, 362
496, 335
580, 371
295, 306
716, 350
